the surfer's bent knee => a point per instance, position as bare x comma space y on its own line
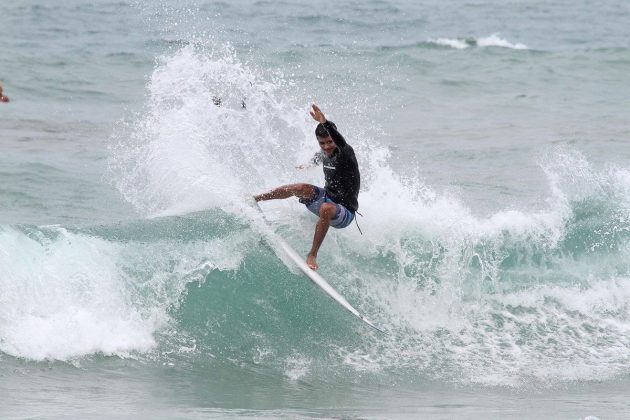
305, 191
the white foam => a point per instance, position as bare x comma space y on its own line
67, 295
459, 44
76, 331
62, 298
448, 288
297, 367
495, 41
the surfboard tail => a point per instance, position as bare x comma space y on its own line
377, 327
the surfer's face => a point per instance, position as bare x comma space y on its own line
327, 144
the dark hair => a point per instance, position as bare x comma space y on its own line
320, 130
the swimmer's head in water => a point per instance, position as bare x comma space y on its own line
2, 97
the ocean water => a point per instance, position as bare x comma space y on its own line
137, 282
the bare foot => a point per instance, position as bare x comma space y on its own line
310, 261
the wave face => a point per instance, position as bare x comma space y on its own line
514, 297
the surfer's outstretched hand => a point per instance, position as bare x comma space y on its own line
317, 114
311, 262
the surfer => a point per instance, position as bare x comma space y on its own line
337, 202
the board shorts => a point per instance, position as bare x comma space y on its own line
343, 216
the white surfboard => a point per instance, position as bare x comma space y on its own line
316, 278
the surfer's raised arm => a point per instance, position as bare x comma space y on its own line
330, 126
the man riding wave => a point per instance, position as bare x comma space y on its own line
336, 203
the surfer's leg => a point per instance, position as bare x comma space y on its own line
304, 191
326, 212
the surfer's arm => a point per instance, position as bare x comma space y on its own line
315, 161
319, 116
340, 142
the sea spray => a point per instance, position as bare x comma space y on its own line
190, 151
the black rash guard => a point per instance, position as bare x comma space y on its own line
341, 171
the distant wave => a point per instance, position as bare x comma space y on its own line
489, 41
458, 44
